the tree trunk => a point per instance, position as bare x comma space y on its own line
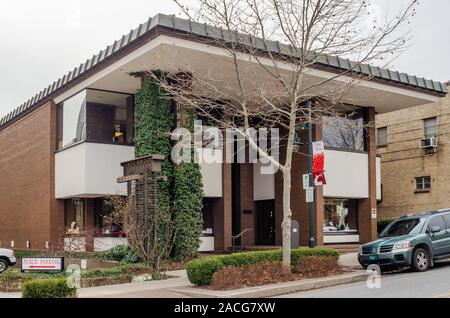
287, 215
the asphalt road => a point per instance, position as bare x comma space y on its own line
406, 284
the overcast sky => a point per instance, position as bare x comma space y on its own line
42, 40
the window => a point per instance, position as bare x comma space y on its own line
382, 136
208, 206
104, 225
74, 213
430, 127
436, 221
404, 227
343, 133
340, 216
96, 116
423, 183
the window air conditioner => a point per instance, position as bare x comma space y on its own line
428, 143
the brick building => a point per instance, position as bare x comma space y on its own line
60, 152
415, 159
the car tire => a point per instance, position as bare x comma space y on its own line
421, 260
3, 265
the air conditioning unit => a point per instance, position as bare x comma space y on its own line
427, 143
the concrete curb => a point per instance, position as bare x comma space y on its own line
274, 289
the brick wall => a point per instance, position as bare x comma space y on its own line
402, 161
26, 187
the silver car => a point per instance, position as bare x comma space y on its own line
7, 259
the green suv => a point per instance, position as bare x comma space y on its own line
414, 241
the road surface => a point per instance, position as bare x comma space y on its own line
432, 284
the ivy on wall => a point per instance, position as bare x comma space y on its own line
188, 196
153, 124
180, 194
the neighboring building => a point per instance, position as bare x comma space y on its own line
415, 159
60, 154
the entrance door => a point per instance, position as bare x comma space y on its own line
265, 222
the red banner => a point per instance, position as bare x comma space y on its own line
318, 171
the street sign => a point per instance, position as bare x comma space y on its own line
374, 213
42, 264
309, 195
305, 181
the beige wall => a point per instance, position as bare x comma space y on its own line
402, 161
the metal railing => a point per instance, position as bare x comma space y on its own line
238, 236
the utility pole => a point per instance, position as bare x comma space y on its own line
312, 242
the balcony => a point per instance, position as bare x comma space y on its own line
90, 170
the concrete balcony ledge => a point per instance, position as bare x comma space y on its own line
275, 289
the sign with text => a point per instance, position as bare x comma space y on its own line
309, 195
42, 264
305, 181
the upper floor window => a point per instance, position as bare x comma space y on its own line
96, 116
423, 183
430, 127
382, 136
345, 133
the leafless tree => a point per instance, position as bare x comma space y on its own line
151, 242
273, 51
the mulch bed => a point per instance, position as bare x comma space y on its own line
272, 272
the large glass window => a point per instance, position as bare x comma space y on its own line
74, 216
340, 216
72, 120
343, 133
96, 116
103, 223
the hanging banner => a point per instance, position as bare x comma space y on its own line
318, 163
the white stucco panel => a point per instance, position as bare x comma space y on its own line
90, 169
347, 174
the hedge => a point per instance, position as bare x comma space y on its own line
48, 288
200, 271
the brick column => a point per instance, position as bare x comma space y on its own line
222, 211
247, 203
368, 225
89, 224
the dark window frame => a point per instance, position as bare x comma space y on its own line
422, 182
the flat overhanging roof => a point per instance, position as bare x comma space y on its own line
163, 36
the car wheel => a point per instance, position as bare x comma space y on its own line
3, 265
420, 260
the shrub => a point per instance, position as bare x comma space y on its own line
383, 223
48, 288
201, 271
120, 253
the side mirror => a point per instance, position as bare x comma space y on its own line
435, 229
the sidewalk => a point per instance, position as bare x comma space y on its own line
152, 289
166, 288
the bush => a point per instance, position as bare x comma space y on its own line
48, 288
121, 253
201, 271
383, 223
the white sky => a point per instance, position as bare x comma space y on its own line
42, 40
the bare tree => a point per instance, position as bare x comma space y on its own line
272, 48
151, 242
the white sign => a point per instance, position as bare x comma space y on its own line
83, 264
374, 213
309, 195
43, 264
305, 181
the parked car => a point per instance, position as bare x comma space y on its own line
7, 259
414, 241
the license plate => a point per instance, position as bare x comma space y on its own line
373, 257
